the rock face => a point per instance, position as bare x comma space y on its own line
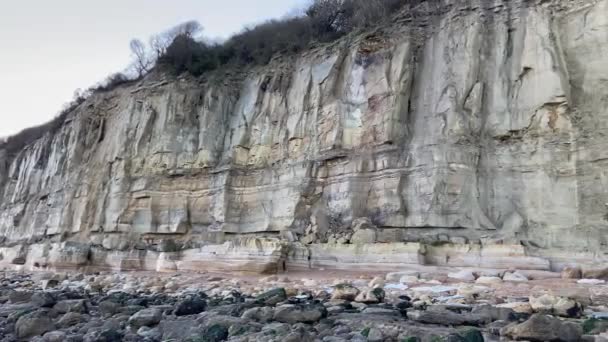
460, 125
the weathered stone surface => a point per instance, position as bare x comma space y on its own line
72, 305
464, 275
465, 134
445, 317
272, 297
300, 313
556, 305
572, 273
146, 317
544, 328
345, 292
190, 306
34, 324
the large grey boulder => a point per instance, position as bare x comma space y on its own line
146, 317
34, 324
544, 328
308, 313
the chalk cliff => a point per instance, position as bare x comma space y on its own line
465, 133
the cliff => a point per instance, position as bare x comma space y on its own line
465, 133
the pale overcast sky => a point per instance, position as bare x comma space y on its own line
49, 48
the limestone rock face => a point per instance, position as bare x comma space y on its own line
459, 125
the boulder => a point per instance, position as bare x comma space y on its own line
375, 335
543, 328
70, 319
372, 296
262, 315
376, 282
591, 282
515, 277
573, 272
308, 313
272, 297
33, 324
54, 336
445, 317
49, 283
560, 306
146, 317
494, 313
71, 305
464, 275
215, 333
17, 297
518, 307
345, 292
467, 334
109, 308
191, 305
596, 273
43, 300
488, 280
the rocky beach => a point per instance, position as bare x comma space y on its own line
329, 306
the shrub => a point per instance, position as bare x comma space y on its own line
325, 20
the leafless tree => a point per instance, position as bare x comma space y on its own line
142, 62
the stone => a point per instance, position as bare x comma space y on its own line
43, 300
379, 311
146, 317
375, 335
262, 315
556, 305
71, 305
573, 272
464, 275
192, 305
16, 297
591, 282
105, 335
49, 284
518, 307
495, 313
33, 324
292, 314
70, 319
109, 308
488, 280
153, 334
514, 277
272, 297
345, 292
376, 282
372, 296
475, 291
596, 273
445, 317
544, 328
54, 336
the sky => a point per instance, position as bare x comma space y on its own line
51, 48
